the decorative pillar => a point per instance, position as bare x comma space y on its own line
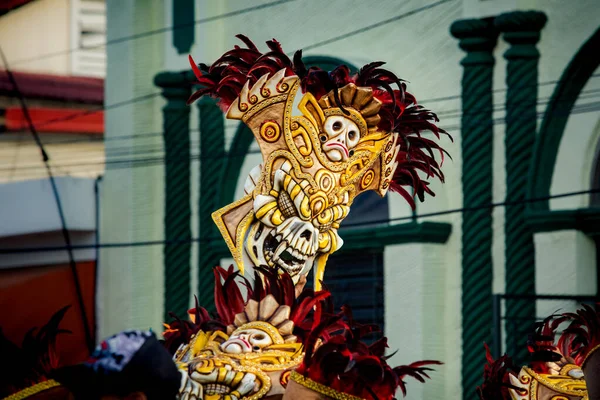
177, 249
212, 164
478, 38
184, 25
521, 29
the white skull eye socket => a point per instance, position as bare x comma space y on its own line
257, 338
352, 136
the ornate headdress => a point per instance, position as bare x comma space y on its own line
250, 347
568, 368
325, 137
277, 339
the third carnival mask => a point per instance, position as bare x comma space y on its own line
321, 148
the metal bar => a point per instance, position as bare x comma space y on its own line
497, 325
547, 297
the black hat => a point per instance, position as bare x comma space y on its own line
128, 362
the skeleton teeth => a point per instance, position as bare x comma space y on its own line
280, 249
305, 247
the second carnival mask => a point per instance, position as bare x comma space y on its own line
324, 138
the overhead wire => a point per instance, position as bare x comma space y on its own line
590, 108
153, 32
65, 232
145, 158
344, 227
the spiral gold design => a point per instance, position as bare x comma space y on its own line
367, 179
285, 378
283, 87
270, 131
318, 202
326, 180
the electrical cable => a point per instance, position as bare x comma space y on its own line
145, 158
153, 32
65, 231
344, 227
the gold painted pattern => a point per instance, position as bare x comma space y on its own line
32, 390
589, 354
559, 383
317, 387
263, 326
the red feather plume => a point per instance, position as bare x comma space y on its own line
305, 309
496, 378
400, 111
582, 334
344, 362
34, 360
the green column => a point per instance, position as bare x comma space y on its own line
212, 150
478, 39
522, 31
176, 132
183, 25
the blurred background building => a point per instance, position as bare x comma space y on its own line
512, 230
53, 53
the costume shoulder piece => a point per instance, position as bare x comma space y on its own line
325, 138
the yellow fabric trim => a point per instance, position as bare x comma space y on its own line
35, 389
320, 388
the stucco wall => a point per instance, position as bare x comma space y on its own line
130, 279
33, 29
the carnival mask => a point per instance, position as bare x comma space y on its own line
316, 160
325, 138
249, 363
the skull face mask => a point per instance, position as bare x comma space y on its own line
324, 138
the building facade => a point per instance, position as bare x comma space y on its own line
56, 68
514, 82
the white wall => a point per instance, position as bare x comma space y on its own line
421, 322
576, 155
34, 30
70, 155
131, 278
29, 218
565, 265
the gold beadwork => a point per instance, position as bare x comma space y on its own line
560, 384
589, 354
320, 388
263, 326
35, 389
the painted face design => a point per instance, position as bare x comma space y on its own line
248, 363
340, 136
247, 341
